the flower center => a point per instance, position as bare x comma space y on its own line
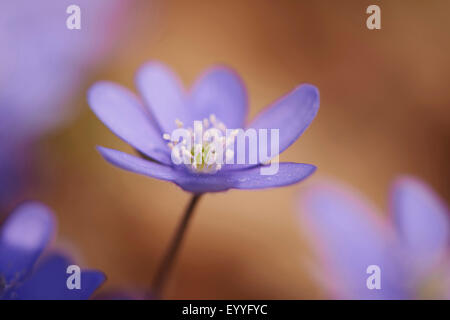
203, 149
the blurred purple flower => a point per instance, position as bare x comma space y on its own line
42, 65
23, 238
411, 246
219, 92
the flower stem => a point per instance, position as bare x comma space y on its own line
166, 265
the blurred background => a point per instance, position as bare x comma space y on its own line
384, 112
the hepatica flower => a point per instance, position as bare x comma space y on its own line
402, 256
24, 274
217, 101
43, 64
196, 138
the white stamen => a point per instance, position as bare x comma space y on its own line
203, 157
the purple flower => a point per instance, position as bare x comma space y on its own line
23, 237
218, 97
410, 246
43, 64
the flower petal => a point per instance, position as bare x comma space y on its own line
164, 95
422, 219
350, 238
122, 112
23, 237
137, 165
220, 91
49, 282
292, 114
288, 173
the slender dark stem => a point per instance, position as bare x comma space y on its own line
166, 265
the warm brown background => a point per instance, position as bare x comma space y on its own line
384, 111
